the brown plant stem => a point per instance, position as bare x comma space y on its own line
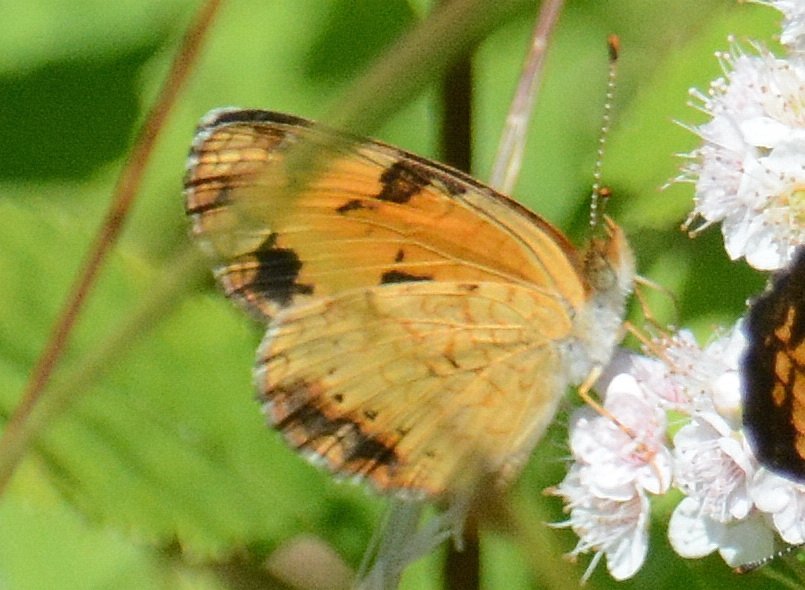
462, 569
456, 131
125, 192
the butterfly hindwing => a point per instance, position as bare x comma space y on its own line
406, 385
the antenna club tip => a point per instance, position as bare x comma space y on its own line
614, 45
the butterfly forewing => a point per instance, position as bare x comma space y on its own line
369, 215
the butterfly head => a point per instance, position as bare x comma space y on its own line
608, 263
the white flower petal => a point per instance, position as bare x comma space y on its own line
793, 35
616, 529
764, 131
784, 500
745, 541
616, 454
629, 554
690, 535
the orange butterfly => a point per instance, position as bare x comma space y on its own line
422, 327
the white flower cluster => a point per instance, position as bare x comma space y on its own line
617, 463
731, 503
748, 172
749, 175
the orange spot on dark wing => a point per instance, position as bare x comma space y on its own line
774, 373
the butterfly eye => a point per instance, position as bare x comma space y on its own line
608, 260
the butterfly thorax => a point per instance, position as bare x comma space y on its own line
609, 271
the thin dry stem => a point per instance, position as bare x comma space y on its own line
509, 157
125, 192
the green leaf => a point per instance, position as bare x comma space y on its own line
168, 449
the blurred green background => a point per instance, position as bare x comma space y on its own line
162, 474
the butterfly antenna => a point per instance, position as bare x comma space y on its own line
751, 566
600, 193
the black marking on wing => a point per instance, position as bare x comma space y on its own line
223, 198
278, 269
401, 181
351, 205
357, 446
370, 449
396, 276
233, 115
